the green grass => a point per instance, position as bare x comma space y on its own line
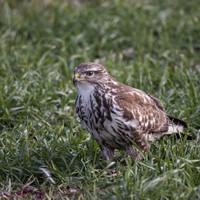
151, 45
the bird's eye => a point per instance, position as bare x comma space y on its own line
90, 73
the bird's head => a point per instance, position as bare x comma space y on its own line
90, 73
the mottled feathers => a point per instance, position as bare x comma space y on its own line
119, 116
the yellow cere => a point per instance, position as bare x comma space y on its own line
76, 75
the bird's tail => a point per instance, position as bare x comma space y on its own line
177, 126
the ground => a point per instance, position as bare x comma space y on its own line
44, 152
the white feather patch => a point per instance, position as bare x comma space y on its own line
85, 90
175, 129
172, 129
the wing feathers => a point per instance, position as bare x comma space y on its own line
157, 102
147, 110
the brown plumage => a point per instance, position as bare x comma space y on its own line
119, 116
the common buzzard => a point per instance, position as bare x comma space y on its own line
119, 116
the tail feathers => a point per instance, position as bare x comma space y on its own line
177, 126
178, 122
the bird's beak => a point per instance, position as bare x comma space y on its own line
76, 75
77, 78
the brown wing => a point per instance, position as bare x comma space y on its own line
157, 102
147, 110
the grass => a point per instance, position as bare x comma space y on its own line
151, 45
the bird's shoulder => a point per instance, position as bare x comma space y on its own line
127, 96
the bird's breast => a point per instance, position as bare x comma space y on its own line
97, 116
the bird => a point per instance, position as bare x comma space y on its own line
119, 116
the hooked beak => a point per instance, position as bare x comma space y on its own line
77, 78
74, 80
76, 75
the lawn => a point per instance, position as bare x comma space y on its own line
148, 44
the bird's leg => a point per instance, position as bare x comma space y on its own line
132, 152
140, 144
108, 153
